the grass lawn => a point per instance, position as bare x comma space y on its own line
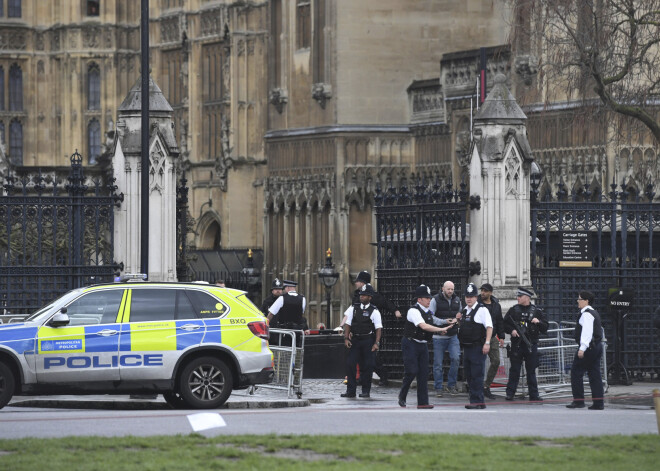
289, 452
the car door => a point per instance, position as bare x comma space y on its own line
86, 349
158, 323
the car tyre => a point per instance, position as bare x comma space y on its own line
205, 383
7, 384
174, 399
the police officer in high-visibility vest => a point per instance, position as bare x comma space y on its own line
417, 332
476, 329
362, 332
589, 336
289, 308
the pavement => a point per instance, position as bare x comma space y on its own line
638, 395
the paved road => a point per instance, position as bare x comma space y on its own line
628, 411
338, 417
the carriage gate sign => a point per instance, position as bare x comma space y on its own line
623, 240
575, 249
53, 237
422, 236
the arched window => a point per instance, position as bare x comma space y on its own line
93, 7
15, 88
93, 87
16, 142
2, 84
14, 8
94, 140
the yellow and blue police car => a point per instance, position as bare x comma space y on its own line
192, 342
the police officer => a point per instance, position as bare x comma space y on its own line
383, 305
275, 292
417, 331
589, 336
476, 329
288, 308
362, 332
525, 322
446, 305
492, 304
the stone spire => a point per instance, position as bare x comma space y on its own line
500, 105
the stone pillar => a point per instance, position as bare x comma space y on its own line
163, 152
500, 161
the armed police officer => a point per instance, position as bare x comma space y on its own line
476, 329
362, 332
589, 336
525, 322
417, 331
446, 305
497, 339
275, 292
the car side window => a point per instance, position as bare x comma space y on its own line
160, 305
97, 307
206, 305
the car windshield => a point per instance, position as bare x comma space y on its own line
58, 301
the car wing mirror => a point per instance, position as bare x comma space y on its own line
60, 319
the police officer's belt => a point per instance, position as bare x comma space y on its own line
362, 335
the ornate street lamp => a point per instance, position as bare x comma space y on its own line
535, 177
328, 277
253, 275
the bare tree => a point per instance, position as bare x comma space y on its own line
598, 50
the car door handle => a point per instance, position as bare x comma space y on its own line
107, 332
190, 327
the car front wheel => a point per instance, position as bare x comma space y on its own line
205, 383
6, 384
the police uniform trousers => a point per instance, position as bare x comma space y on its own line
494, 357
415, 364
589, 364
519, 354
474, 364
360, 353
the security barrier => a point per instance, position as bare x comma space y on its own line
556, 352
288, 347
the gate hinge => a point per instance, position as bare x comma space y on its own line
474, 202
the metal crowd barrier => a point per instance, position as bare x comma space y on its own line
12, 318
288, 347
556, 352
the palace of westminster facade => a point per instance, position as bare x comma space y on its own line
287, 112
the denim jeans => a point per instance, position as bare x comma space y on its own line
439, 346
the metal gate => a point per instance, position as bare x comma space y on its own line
54, 237
422, 236
623, 233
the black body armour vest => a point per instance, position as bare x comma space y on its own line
417, 333
598, 329
362, 323
290, 314
446, 310
524, 315
471, 332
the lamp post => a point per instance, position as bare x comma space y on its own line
252, 274
328, 277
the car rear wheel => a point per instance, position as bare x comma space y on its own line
7, 384
205, 383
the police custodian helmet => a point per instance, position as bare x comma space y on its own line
363, 276
423, 291
471, 290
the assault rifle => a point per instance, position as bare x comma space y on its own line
522, 331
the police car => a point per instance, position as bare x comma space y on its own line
194, 343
